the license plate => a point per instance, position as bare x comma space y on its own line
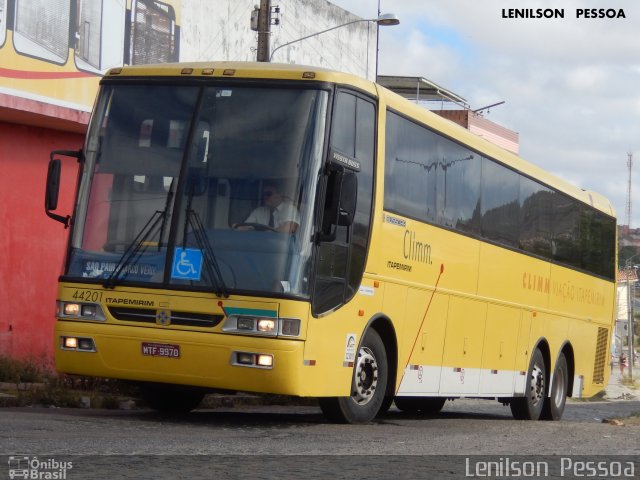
160, 350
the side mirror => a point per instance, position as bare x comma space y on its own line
348, 199
53, 185
340, 203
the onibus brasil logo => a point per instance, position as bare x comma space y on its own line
40, 469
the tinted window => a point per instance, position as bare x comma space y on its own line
535, 218
565, 243
431, 178
500, 203
411, 169
458, 187
598, 243
343, 132
365, 148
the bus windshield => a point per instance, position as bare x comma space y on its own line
200, 187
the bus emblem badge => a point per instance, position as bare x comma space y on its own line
163, 317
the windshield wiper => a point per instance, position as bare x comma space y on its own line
137, 246
211, 263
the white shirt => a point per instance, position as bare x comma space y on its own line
285, 212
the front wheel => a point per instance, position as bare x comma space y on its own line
530, 406
554, 404
368, 387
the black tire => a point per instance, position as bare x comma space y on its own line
386, 405
530, 406
554, 403
171, 399
424, 405
368, 387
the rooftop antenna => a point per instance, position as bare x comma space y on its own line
480, 110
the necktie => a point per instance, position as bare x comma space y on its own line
272, 220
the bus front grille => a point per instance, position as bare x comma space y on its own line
147, 315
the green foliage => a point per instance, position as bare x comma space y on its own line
625, 253
23, 371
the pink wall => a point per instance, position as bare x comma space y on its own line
31, 244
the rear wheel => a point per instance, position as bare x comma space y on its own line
426, 405
554, 404
171, 399
530, 406
368, 386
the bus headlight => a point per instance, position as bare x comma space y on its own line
80, 344
254, 360
267, 326
81, 311
71, 309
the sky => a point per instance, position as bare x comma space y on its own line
571, 86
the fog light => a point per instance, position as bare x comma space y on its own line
86, 344
265, 360
70, 342
245, 358
72, 309
88, 310
267, 325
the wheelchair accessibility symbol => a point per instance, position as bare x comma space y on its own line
187, 264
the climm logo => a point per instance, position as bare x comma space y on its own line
536, 283
414, 249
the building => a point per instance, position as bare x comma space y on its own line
626, 289
436, 98
52, 54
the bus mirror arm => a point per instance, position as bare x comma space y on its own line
53, 185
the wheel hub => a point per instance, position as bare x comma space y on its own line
537, 385
366, 376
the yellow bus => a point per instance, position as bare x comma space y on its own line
58, 49
419, 263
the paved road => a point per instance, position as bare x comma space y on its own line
297, 442
144, 444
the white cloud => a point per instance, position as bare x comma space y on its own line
570, 85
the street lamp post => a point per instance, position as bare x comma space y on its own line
386, 19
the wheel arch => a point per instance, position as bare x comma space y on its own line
567, 350
384, 327
543, 346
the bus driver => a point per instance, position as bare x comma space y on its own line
277, 212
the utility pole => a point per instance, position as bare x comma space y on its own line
630, 319
628, 209
630, 289
264, 31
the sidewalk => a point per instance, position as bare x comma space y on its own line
617, 391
